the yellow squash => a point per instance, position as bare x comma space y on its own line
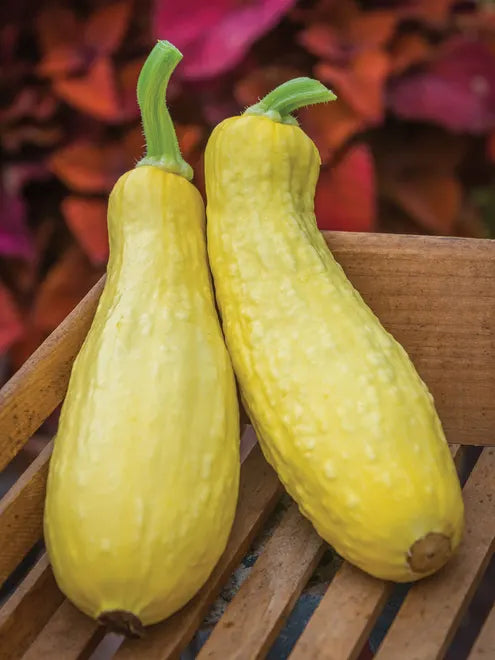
339, 409
144, 476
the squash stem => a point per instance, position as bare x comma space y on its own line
289, 96
162, 148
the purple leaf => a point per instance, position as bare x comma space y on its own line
214, 36
15, 238
457, 91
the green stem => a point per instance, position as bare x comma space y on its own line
162, 148
290, 96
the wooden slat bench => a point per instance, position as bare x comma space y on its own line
437, 296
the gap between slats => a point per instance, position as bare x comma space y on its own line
484, 646
29, 608
21, 508
345, 616
433, 608
21, 513
253, 619
68, 635
43, 459
260, 490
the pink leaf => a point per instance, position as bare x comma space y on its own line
15, 237
457, 91
215, 36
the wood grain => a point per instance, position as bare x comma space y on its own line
436, 296
25, 613
68, 635
254, 618
259, 491
21, 513
342, 621
484, 647
433, 608
433, 294
346, 614
38, 387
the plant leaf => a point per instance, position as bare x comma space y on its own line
60, 38
409, 49
214, 37
431, 12
345, 195
349, 32
433, 201
106, 27
94, 93
65, 285
15, 237
87, 168
330, 126
456, 91
361, 84
127, 77
87, 219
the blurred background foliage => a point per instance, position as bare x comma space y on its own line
409, 146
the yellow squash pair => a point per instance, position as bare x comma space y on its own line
144, 477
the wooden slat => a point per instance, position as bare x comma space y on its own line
68, 635
484, 647
260, 489
342, 621
457, 452
432, 609
21, 509
21, 513
259, 492
28, 609
88, 634
38, 387
253, 619
347, 612
436, 296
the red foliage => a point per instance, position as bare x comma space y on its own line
408, 145
87, 219
346, 195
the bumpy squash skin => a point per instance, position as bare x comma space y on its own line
339, 409
144, 476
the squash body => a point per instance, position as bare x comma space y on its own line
338, 407
143, 481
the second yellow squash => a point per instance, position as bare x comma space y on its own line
339, 409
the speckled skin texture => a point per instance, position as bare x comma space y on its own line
339, 409
144, 477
